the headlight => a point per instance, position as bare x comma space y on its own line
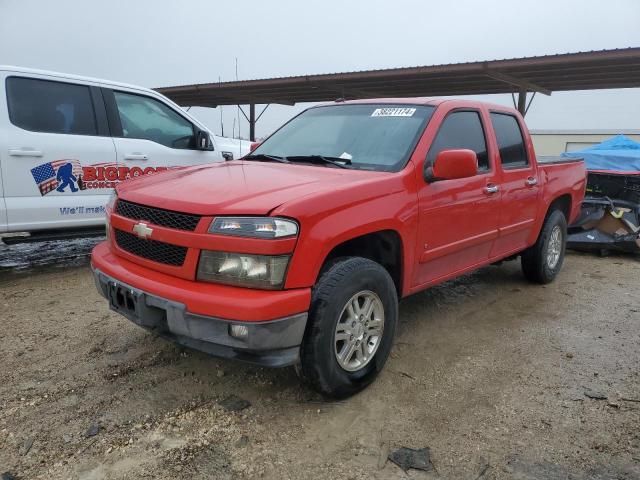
255, 227
243, 270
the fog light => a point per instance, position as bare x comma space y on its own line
239, 331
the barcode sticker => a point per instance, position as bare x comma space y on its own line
393, 112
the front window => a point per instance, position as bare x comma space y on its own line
462, 129
367, 137
146, 118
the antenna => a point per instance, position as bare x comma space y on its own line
221, 122
239, 137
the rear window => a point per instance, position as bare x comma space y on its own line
513, 153
52, 107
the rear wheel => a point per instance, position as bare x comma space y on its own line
542, 262
352, 321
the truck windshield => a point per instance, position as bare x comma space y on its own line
367, 137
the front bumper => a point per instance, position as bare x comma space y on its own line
273, 343
207, 299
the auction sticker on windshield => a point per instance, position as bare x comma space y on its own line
393, 112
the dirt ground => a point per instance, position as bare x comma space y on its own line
489, 372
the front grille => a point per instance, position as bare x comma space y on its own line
157, 216
151, 249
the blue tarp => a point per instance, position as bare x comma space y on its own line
618, 154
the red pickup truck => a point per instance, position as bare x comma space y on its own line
298, 253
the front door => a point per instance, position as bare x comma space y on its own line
458, 219
150, 136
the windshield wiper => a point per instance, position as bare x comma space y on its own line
337, 161
262, 156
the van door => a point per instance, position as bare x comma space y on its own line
152, 136
51, 131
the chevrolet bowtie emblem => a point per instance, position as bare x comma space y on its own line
142, 230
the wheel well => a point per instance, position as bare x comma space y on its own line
562, 203
383, 247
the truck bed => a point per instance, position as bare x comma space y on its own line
556, 172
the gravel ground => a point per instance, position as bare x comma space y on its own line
492, 374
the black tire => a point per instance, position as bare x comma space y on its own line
534, 262
319, 367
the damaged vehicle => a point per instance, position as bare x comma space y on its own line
610, 217
298, 253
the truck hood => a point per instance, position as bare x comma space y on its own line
236, 187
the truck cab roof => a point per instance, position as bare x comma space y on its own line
459, 103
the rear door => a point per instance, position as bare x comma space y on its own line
150, 135
458, 219
519, 184
51, 130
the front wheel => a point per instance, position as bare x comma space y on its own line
352, 322
542, 262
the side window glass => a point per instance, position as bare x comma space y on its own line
461, 130
148, 119
510, 141
50, 107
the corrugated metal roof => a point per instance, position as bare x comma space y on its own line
617, 68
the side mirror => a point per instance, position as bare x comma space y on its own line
203, 141
254, 145
452, 164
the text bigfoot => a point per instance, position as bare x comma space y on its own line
108, 177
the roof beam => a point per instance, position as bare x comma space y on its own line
543, 74
518, 82
345, 91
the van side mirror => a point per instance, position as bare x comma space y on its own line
203, 140
452, 164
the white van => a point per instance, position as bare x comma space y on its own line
66, 141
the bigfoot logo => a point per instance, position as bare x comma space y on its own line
62, 174
65, 177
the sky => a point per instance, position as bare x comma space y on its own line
162, 43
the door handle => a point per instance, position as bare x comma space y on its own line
24, 152
136, 156
531, 181
491, 189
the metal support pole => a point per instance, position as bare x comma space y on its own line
530, 102
252, 122
522, 102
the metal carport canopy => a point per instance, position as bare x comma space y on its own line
619, 68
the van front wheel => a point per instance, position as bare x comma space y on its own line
352, 322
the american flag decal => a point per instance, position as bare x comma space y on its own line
45, 174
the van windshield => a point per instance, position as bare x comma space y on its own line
367, 137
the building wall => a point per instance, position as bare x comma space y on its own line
555, 142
